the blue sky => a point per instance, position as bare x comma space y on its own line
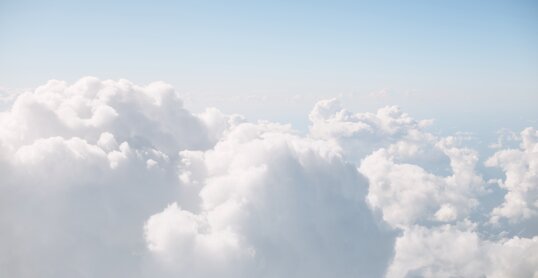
452, 60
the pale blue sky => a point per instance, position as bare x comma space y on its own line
465, 63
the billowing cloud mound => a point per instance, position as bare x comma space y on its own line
83, 166
272, 204
458, 251
111, 179
521, 182
407, 193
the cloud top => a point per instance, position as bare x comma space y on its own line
105, 178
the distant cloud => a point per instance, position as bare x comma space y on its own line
386, 93
112, 179
521, 170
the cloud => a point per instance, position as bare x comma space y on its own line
272, 204
452, 251
150, 116
406, 193
520, 167
428, 187
83, 166
361, 133
105, 178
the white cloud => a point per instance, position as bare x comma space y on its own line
83, 166
419, 182
111, 179
150, 116
520, 167
361, 133
278, 203
450, 251
407, 193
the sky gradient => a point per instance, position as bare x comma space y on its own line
430, 57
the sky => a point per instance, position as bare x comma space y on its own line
268, 139
432, 57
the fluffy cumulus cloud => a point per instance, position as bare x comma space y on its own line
271, 204
111, 179
521, 180
407, 193
360, 133
458, 251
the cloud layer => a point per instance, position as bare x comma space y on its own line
108, 178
